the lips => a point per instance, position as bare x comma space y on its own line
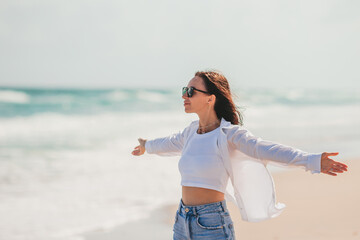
186, 103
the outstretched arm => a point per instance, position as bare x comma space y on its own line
244, 141
165, 146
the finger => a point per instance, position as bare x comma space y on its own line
330, 173
341, 164
336, 168
135, 152
332, 154
341, 167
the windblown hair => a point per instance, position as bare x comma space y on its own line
217, 84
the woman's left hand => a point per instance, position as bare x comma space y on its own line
330, 166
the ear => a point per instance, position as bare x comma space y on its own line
212, 98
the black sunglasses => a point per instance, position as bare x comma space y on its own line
190, 91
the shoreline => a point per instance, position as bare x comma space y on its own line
159, 227
318, 207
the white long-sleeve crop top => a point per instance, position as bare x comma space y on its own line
245, 158
200, 164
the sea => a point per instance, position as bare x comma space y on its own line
66, 166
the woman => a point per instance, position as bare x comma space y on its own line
216, 148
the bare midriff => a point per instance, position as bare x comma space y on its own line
193, 196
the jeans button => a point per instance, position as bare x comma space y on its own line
186, 210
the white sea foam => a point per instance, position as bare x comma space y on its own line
295, 94
118, 95
150, 96
12, 96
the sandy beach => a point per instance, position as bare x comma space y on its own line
319, 206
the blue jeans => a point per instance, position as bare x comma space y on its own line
210, 221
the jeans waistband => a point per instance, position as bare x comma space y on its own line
198, 209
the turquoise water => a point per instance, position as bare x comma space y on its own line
25, 102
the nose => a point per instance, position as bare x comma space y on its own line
185, 96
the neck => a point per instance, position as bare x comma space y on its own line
208, 118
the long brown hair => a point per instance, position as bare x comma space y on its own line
217, 84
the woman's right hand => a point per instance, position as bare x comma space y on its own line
330, 166
140, 149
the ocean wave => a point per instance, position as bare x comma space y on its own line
54, 99
92, 102
151, 96
118, 95
11, 96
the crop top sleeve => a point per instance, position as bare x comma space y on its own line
171, 145
244, 141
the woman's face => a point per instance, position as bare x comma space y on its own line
199, 101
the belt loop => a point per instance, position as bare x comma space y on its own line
222, 206
180, 204
194, 211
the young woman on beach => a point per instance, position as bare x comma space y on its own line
215, 148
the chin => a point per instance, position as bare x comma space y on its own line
187, 110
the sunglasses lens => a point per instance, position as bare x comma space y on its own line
190, 92
187, 90
184, 90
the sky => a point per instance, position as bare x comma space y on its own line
158, 43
